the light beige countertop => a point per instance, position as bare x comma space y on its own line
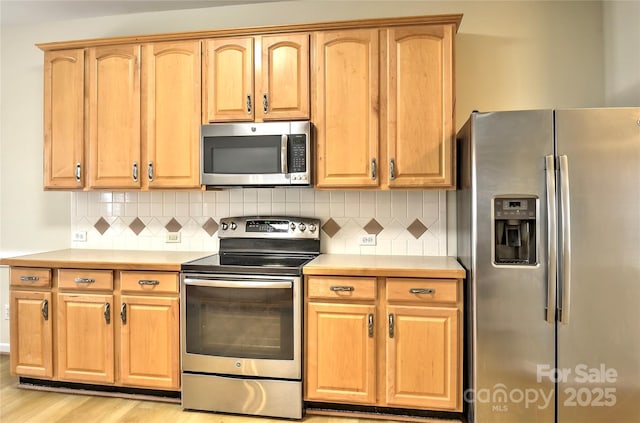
389, 266
106, 259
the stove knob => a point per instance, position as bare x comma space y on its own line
302, 227
312, 228
233, 226
292, 226
225, 226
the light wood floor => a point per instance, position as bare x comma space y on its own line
24, 405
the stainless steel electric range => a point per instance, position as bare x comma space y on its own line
241, 318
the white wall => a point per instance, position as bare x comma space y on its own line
510, 55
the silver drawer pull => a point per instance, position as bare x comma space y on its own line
148, 282
84, 280
337, 288
422, 291
29, 278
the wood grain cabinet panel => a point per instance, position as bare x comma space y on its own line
85, 348
420, 108
171, 109
149, 342
341, 363
64, 115
31, 334
256, 78
114, 117
346, 107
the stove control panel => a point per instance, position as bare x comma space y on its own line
269, 227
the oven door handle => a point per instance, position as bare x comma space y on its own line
238, 284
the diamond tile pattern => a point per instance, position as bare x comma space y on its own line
417, 228
173, 225
331, 227
210, 227
373, 227
102, 225
137, 226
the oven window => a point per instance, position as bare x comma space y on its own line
242, 155
240, 322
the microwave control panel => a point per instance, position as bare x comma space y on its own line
297, 153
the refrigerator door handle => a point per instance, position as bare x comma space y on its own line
552, 239
565, 277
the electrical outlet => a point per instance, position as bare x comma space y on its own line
369, 239
79, 236
6, 312
172, 237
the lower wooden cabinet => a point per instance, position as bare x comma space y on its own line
391, 342
149, 342
85, 338
31, 334
96, 326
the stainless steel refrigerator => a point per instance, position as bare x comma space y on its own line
548, 228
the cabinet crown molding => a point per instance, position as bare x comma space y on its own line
454, 19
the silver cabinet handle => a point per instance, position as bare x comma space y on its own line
370, 325
566, 240
392, 169
284, 143
552, 239
392, 329
150, 171
123, 313
29, 278
337, 288
84, 280
148, 282
373, 169
107, 313
78, 172
422, 291
45, 309
265, 103
248, 104
135, 172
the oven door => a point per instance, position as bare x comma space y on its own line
241, 325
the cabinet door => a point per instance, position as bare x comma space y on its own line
420, 106
114, 117
423, 358
228, 73
64, 161
346, 107
31, 330
283, 83
85, 338
150, 342
171, 93
340, 365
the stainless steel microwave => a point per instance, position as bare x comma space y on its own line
256, 154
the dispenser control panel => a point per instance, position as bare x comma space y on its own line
514, 226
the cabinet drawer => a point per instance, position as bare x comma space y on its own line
87, 280
36, 277
334, 287
422, 290
139, 282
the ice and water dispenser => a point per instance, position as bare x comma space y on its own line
514, 227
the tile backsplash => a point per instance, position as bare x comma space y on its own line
405, 222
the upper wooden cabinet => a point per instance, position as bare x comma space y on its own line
346, 107
114, 117
400, 139
420, 114
256, 78
64, 78
171, 90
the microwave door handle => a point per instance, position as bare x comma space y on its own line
284, 141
